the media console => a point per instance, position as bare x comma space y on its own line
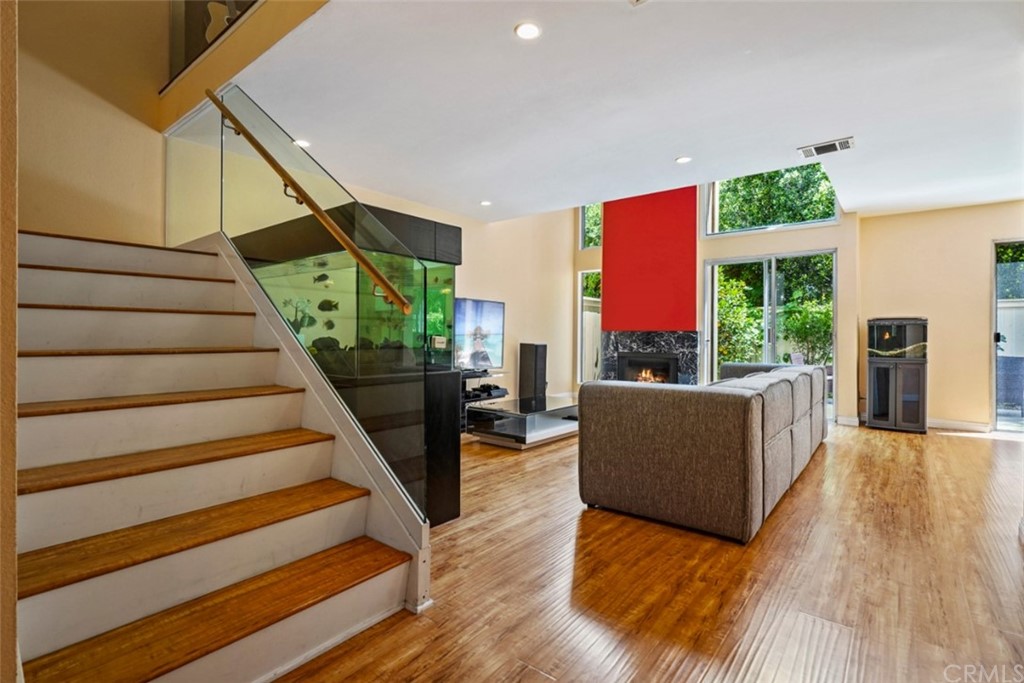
481, 392
524, 422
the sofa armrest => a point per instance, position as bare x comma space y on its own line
682, 454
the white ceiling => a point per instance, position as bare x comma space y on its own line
439, 103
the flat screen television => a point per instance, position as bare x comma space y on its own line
479, 334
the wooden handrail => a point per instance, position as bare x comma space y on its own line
391, 293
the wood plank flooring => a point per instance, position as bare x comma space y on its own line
893, 557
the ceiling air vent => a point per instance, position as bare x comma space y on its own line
811, 151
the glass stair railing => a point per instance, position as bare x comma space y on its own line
355, 297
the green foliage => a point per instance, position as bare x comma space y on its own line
808, 326
804, 278
804, 285
592, 284
1010, 253
740, 325
593, 220
791, 195
800, 277
1010, 271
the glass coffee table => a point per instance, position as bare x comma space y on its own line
523, 422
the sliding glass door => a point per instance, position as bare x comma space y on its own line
741, 327
1009, 341
777, 309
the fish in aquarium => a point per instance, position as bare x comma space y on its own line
322, 277
321, 263
327, 305
328, 324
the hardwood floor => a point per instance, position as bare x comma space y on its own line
894, 557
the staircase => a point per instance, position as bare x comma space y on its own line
175, 518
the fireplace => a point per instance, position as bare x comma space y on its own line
661, 368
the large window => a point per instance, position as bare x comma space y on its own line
591, 222
791, 196
589, 352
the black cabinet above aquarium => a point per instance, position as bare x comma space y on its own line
303, 237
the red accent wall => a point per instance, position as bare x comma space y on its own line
649, 262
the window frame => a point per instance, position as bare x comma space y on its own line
580, 276
582, 224
708, 209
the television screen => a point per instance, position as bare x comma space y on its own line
479, 334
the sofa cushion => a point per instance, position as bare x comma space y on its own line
802, 444
778, 469
819, 426
682, 454
738, 370
801, 389
778, 400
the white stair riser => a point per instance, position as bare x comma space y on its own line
290, 642
37, 286
56, 439
66, 615
55, 251
52, 517
61, 378
42, 328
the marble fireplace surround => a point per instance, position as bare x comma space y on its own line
682, 344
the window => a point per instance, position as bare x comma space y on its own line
591, 222
791, 196
589, 351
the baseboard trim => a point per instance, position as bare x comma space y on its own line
945, 424
960, 426
846, 421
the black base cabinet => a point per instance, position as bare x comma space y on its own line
442, 409
896, 395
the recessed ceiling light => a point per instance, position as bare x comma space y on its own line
302, 143
527, 30
683, 160
485, 203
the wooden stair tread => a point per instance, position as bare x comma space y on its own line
40, 233
132, 309
66, 563
84, 405
37, 479
157, 644
43, 353
124, 273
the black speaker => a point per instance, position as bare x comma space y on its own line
533, 370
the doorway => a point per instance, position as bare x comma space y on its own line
775, 309
1009, 336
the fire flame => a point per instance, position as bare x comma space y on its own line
647, 375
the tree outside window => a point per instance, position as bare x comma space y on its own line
802, 194
591, 225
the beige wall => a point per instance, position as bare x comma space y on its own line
843, 238
254, 34
940, 265
8, 333
528, 264
91, 160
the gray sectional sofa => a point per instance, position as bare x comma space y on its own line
715, 458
